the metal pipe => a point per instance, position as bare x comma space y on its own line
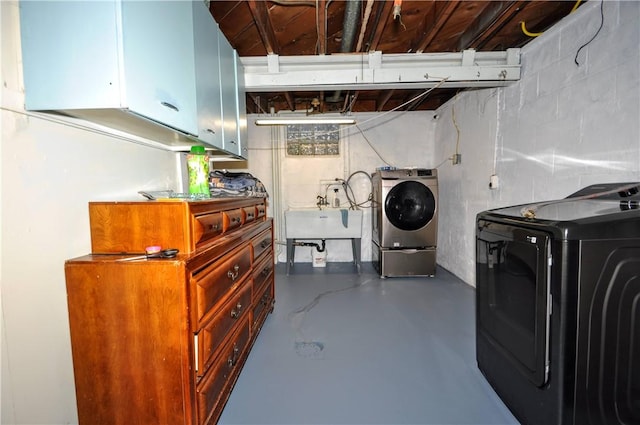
349, 28
318, 247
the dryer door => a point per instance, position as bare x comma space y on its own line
409, 214
410, 205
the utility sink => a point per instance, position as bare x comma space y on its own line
330, 223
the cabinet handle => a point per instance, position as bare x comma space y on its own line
170, 106
266, 271
233, 359
232, 142
208, 130
235, 313
233, 275
214, 227
264, 244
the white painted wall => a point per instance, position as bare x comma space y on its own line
49, 172
560, 128
397, 139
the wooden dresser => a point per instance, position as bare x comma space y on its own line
162, 341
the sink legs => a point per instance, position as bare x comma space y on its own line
291, 253
355, 246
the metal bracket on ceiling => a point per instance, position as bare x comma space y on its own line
375, 71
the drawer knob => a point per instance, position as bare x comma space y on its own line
266, 271
233, 275
235, 312
213, 227
264, 244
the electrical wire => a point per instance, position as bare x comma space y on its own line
527, 32
594, 35
537, 34
297, 316
455, 124
371, 145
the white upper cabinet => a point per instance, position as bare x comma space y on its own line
229, 96
91, 58
241, 105
207, 68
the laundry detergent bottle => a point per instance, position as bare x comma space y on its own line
198, 170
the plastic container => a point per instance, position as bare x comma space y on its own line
318, 259
198, 170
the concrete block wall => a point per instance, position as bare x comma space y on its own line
561, 127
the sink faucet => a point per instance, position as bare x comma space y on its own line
321, 202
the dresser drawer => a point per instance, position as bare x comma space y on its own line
232, 219
216, 280
130, 227
261, 210
261, 243
213, 333
249, 214
261, 274
207, 226
213, 390
261, 307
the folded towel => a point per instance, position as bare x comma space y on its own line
223, 183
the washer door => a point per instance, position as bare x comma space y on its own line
410, 205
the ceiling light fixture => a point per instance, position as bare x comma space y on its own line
290, 121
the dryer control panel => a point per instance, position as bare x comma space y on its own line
407, 172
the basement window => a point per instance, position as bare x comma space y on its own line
313, 140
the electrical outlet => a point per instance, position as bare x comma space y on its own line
494, 182
456, 159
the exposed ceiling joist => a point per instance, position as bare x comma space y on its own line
380, 102
375, 71
276, 29
263, 23
490, 21
434, 22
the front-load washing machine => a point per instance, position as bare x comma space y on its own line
405, 222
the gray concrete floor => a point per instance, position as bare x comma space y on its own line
343, 348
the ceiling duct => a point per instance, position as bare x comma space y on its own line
349, 30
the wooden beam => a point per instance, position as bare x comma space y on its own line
433, 23
263, 23
381, 101
382, 15
492, 18
290, 102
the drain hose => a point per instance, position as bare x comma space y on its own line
318, 247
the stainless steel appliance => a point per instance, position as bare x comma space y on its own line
558, 307
405, 222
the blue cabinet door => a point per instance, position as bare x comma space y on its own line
105, 56
241, 108
228, 91
207, 69
70, 55
158, 58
